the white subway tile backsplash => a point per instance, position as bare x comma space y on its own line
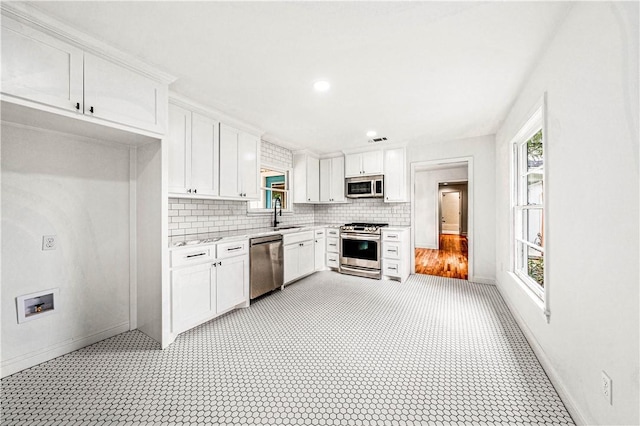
188, 216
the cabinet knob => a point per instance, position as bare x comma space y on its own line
78, 106
195, 191
189, 191
91, 110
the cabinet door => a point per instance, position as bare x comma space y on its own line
291, 259
353, 165
192, 297
232, 276
313, 179
229, 186
204, 155
248, 168
319, 254
120, 95
325, 180
372, 163
337, 179
395, 188
40, 68
179, 136
306, 261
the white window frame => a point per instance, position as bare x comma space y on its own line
535, 123
288, 173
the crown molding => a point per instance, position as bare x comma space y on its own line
28, 14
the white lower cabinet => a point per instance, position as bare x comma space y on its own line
333, 250
206, 282
396, 252
319, 249
192, 298
231, 276
299, 255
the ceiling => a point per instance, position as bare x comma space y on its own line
428, 71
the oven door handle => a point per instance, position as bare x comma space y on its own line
361, 237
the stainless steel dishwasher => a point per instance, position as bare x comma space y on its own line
266, 264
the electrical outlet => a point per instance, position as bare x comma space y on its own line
49, 242
606, 388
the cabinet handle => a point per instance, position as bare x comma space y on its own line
78, 106
332, 245
392, 236
234, 248
195, 255
91, 110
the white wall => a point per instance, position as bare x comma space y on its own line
590, 73
426, 203
56, 184
481, 193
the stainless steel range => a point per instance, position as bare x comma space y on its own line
360, 249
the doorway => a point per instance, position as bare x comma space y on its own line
441, 212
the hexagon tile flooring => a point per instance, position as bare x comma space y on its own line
329, 350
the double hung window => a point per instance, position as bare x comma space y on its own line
529, 204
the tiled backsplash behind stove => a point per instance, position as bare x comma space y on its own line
372, 210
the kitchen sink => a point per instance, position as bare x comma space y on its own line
280, 228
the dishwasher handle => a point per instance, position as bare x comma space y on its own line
265, 240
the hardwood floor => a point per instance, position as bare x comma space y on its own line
450, 261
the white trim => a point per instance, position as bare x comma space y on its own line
133, 240
31, 359
425, 165
546, 363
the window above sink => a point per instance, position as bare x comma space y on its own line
274, 185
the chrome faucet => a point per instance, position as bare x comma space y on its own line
276, 204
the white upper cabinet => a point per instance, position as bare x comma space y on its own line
193, 153
306, 178
204, 155
364, 164
395, 176
239, 169
120, 95
40, 68
179, 137
42, 71
332, 179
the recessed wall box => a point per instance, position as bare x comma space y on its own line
36, 305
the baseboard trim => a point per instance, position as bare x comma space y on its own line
482, 280
14, 365
546, 364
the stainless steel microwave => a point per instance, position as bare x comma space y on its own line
365, 187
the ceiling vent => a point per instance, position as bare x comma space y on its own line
377, 140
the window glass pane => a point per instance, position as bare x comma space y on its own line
535, 188
535, 265
533, 226
274, 185
534, 151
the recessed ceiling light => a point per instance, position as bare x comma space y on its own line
371, 133
321, 85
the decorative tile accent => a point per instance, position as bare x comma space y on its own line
329, 350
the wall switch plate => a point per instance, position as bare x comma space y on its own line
49, 242
606, 388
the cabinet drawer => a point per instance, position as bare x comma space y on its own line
192, 256
391, 268
231, 249
332, 245
333, 232
297, 237
319, 233
332, 260
392, 235
391, 250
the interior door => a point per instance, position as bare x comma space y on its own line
450, 206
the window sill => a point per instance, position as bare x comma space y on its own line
539, 301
